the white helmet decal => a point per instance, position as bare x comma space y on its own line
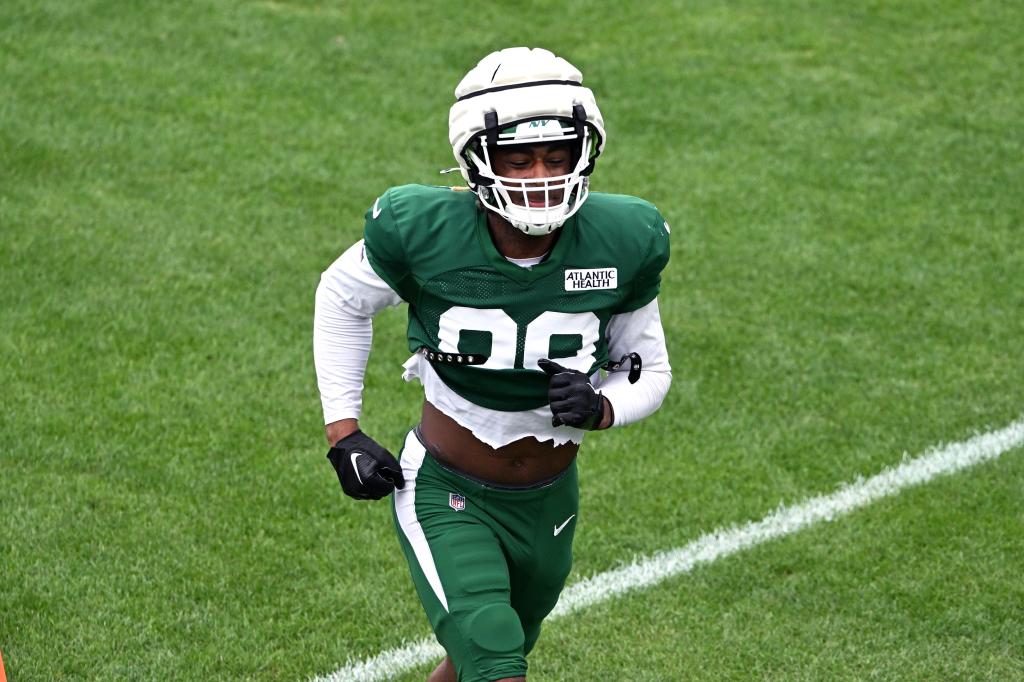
524, 96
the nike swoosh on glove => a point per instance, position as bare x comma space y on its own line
366, 469
572, 398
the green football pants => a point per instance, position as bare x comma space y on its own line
488, 562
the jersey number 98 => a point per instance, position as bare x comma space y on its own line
549, 335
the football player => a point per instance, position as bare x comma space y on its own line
519, 293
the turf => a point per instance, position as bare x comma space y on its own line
842, 182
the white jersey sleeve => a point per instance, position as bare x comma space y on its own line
349, 295
640, 332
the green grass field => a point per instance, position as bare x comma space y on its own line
844, 183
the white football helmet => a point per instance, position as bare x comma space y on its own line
526, 96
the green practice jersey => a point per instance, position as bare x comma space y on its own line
432, 246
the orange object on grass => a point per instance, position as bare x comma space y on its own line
3, 675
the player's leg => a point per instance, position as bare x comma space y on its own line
537, 575
459, 570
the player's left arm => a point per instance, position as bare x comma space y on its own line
626, 394
638, 331
636, 389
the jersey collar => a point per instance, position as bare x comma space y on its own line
513, 271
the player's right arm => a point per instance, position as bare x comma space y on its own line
349, 295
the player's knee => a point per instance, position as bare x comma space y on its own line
495, 628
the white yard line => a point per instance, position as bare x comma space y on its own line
717, 544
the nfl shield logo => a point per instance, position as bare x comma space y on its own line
456, 501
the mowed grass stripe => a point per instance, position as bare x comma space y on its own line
648, 571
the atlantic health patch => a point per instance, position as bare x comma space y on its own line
590, 279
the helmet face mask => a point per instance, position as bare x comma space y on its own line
520, 96
535, 205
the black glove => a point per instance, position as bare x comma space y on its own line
574, 402
366, 470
